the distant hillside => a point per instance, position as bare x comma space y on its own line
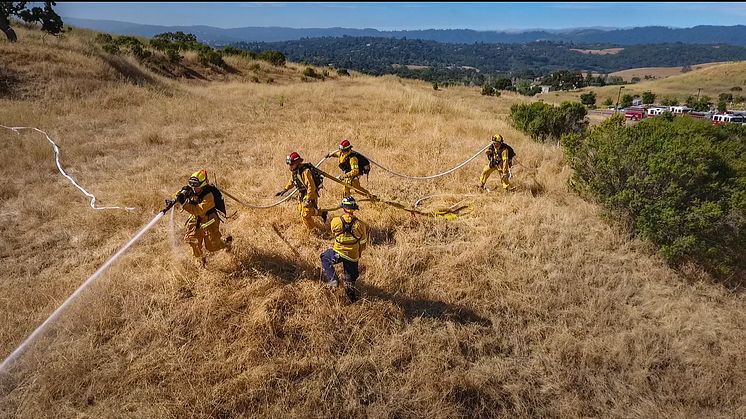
386, 56
732, 35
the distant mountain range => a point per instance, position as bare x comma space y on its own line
732, 35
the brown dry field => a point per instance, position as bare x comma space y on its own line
531, 305
712, 80
657, 72
607, 51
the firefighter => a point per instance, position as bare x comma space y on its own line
350, 239
205, 204
353, 165
308, 181
500, 157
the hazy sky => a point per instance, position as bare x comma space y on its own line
394, 16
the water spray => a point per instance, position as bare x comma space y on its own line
88, 282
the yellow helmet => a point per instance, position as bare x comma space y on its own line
198, 179
497, 138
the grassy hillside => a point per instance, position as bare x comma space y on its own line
657, 72
713, 80
531, 305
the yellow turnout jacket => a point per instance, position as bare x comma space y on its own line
351, 243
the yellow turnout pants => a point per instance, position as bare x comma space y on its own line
354, 182
207, 233
487, 171
307, 212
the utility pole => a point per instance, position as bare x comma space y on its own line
616, 108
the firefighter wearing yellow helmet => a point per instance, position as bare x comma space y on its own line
308, 181
350, 239
205, 204
499, 157
353, 166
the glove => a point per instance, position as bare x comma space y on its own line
181, 197
186, 190
308, 203
341, 177
281, 193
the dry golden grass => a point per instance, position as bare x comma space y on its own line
713, 80
657, 72
532, 305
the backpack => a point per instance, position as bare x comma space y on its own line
498, 154
362, 162
511, 154
347, 229
318, 178
217, 196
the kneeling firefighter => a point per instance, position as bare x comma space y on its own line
353, 165
205, 204
307, 180
350, 239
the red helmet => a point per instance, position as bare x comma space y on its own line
293, 157
345, 145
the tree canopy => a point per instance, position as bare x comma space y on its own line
50, 21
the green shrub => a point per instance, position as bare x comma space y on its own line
488, 90
110, 48
104, 38
543, 122
679, 182
273, 57
588, 99
173, 55
310, 72
208, 56
343, 72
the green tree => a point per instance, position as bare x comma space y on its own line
648, 97
607, 102
588, 99
626, 101
543, 122
725, 97
50, 21
678, 181
503, 84
722, 106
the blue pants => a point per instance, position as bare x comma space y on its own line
330, 258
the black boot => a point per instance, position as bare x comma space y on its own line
351, 291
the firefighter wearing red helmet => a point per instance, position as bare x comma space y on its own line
304, 177
353, 166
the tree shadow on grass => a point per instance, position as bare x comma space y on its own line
429, 309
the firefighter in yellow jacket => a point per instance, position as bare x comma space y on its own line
353, 165
204, 202
350, 239
500, 158
302, 177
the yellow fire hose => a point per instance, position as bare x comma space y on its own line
447, 213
